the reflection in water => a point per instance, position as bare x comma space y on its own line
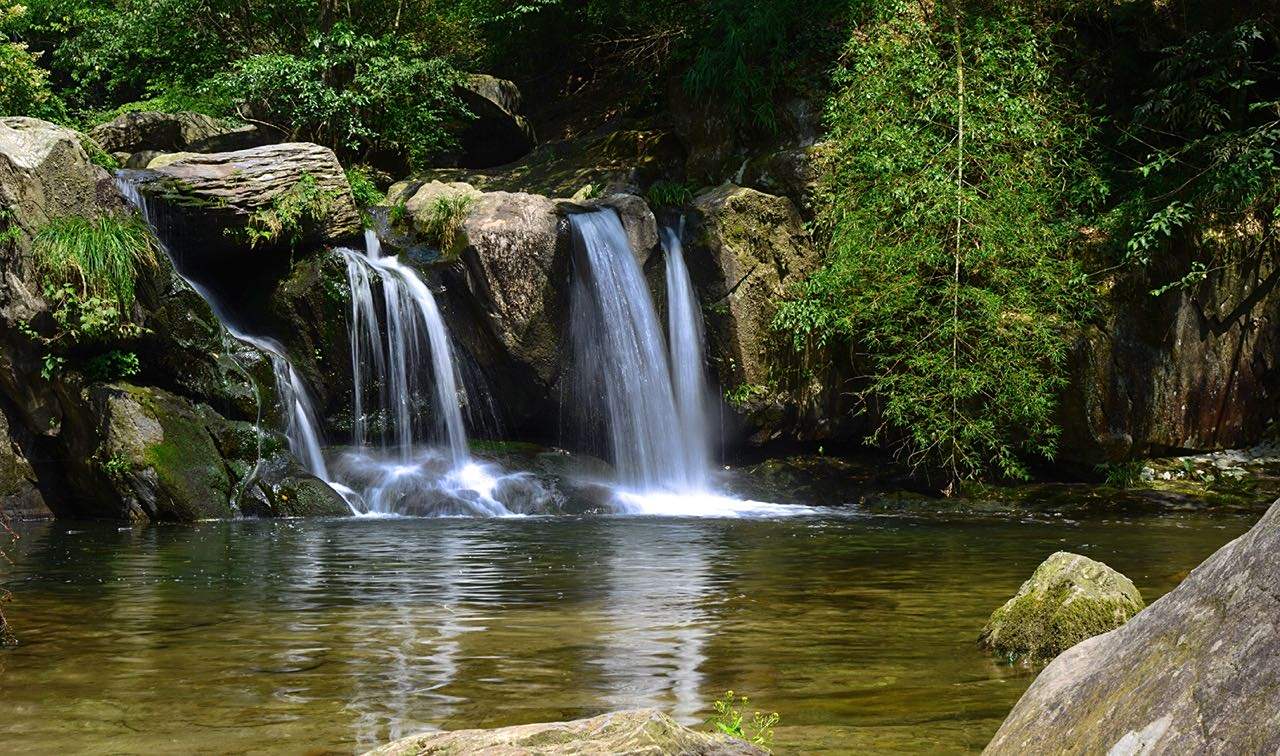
336, 635
658, 578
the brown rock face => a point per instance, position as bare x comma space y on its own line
1195, 672
643, 732
1192, 370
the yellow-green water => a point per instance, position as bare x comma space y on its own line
333, 636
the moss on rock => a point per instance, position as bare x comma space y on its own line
1067, 599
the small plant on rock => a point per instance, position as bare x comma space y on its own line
291, 213
445, 219
730, 720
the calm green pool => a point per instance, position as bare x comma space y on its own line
312, 637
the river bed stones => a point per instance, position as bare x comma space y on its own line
1067, 599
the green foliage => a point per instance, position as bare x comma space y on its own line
1126, 474
97, 155
444, 220
748, 53
361, 94
731, 721
363, 188
669, 194
291, 215
88, 269
24, 85
1206, 141
744, 394
947, 268
114, 467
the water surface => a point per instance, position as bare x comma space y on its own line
333, 636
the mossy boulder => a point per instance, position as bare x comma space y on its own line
642, 732
1067, 599
142, 453
1193, 673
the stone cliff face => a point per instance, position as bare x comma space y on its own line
1193, 370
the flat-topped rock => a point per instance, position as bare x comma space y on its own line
641, 732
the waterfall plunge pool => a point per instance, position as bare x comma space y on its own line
331, 636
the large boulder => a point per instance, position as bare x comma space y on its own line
497, 134
642, 732
1067, 599
505, 282
20, 498
175, 132
1195, 672
147, 454
225, 203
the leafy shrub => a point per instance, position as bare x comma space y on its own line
360, 94
729, 720
363, 188
24, 85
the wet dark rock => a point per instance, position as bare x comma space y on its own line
641, 732
20, 498
497, 134
1192, 370
1192, 673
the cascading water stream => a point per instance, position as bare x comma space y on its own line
410, 311
688, 357
620, 352
302, 425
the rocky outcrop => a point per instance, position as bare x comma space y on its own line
627, 160
1067, 599
1195, 672
146, 454
294, 195
497, 134
643, 732
131, 133
1188, 371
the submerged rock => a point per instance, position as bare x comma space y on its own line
1067, 599
176, 132
642, 732
1193, 673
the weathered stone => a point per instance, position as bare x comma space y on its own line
642, 732
627, 160
748, 246
146, 454
1190, 370
20, 499
497, 134
211, 198
176, 132
791, 172
1195, 672
1067, 599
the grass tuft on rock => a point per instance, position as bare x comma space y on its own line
100, 257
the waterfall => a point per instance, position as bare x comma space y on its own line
620, 353
688, 356
302, 425
388, 371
